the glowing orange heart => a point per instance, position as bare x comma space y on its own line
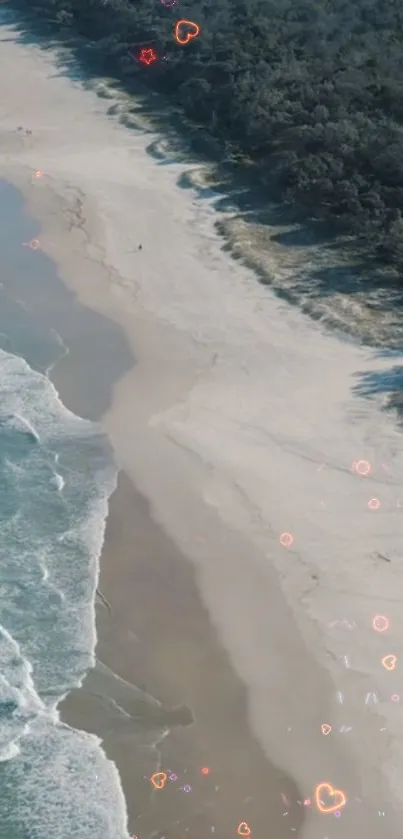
389, 662
336, 795
158, 780
192, 28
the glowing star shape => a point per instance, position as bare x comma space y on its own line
243, 829
336, 796
325, 728
389, 662
380, 623
159, 780
147, 56
191, 31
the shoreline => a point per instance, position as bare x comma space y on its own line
204, 425
132, 648
63, 376
134, 645
120, 638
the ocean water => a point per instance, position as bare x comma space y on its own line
56, 474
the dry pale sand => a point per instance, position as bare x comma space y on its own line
240, 421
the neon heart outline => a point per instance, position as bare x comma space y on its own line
189, 35
243, 829
159, 780
389, 661
332, 793
325, 728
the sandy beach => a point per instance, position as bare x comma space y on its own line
256, 529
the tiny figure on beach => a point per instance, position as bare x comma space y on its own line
140, 248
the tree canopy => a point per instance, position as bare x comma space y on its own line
311, 91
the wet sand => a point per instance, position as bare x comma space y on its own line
159, 636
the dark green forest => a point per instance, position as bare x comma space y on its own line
310, 91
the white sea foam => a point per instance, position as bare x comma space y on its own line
57, 481
49, 548
9, 752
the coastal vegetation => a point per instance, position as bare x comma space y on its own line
308, 91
